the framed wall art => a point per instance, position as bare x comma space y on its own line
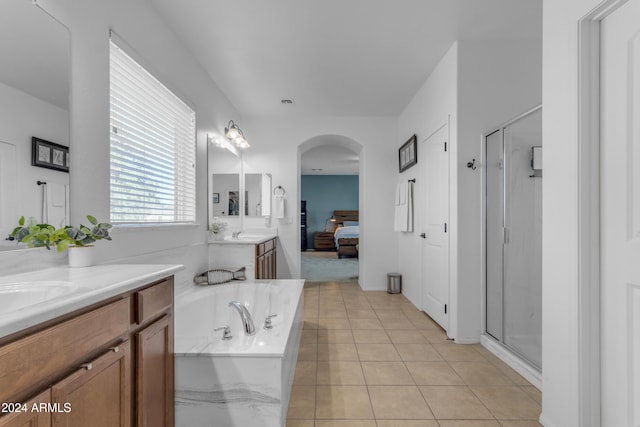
47, 154
408, 153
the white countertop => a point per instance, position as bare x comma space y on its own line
76, 288
245, 239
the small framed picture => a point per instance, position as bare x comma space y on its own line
216, 197
408, 153
47, 154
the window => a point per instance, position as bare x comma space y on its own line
153, 148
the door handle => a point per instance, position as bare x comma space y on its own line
423, 235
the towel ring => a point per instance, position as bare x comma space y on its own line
278, 188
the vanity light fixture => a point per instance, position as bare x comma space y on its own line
234, 133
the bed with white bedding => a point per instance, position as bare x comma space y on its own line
347, 233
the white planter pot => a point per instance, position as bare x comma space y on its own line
80, 256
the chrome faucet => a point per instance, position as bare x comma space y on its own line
247, 321
235, 235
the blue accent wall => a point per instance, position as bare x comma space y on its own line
325, 194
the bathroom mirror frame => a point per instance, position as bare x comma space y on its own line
253, 198
221, 161
34, 102
258, 194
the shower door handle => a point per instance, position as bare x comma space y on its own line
505, 235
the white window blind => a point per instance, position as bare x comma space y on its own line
153, 148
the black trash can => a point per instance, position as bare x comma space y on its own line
394, 283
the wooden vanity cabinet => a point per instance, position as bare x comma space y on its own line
98, 394
266, 260
154, 356
108, 365
29, 418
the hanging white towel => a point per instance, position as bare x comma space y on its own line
409, 223
57, 208
403, 220
400, 208
403, 193
57, 192
278, 206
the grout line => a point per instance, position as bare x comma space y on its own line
339, 294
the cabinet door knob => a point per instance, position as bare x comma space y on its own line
115, 349
87, 366
423, 235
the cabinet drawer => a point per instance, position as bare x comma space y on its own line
32, 362
154, 300
265, 247
322, 245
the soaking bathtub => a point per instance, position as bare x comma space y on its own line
244, 381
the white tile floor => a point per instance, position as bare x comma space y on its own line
371, 359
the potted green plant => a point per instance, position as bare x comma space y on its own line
78, 240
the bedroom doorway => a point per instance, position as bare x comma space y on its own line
329, 224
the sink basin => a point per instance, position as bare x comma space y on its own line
16, 296
246, 237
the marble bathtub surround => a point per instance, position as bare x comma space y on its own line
371, 359
244, 381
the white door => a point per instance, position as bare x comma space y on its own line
435, 246
620, 216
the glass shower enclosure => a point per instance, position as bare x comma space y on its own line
513, 235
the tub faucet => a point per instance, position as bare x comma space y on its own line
267, 321
247, 321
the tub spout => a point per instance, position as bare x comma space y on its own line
247, 321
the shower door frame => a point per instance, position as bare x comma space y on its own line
516, 360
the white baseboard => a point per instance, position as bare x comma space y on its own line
544, 422
466, 341
523, 368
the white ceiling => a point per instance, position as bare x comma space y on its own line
335, 57
329, 160
34, 52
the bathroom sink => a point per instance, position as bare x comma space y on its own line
247, 237
17, 296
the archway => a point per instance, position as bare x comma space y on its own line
329, 174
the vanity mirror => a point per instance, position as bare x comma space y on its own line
225, 194
258, 194
34, 98
223, 183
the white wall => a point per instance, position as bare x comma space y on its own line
497, 80
21, 117
435, 104
560, 212
477, 86
274, 150
159, 51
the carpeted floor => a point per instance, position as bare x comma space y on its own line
323, 266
